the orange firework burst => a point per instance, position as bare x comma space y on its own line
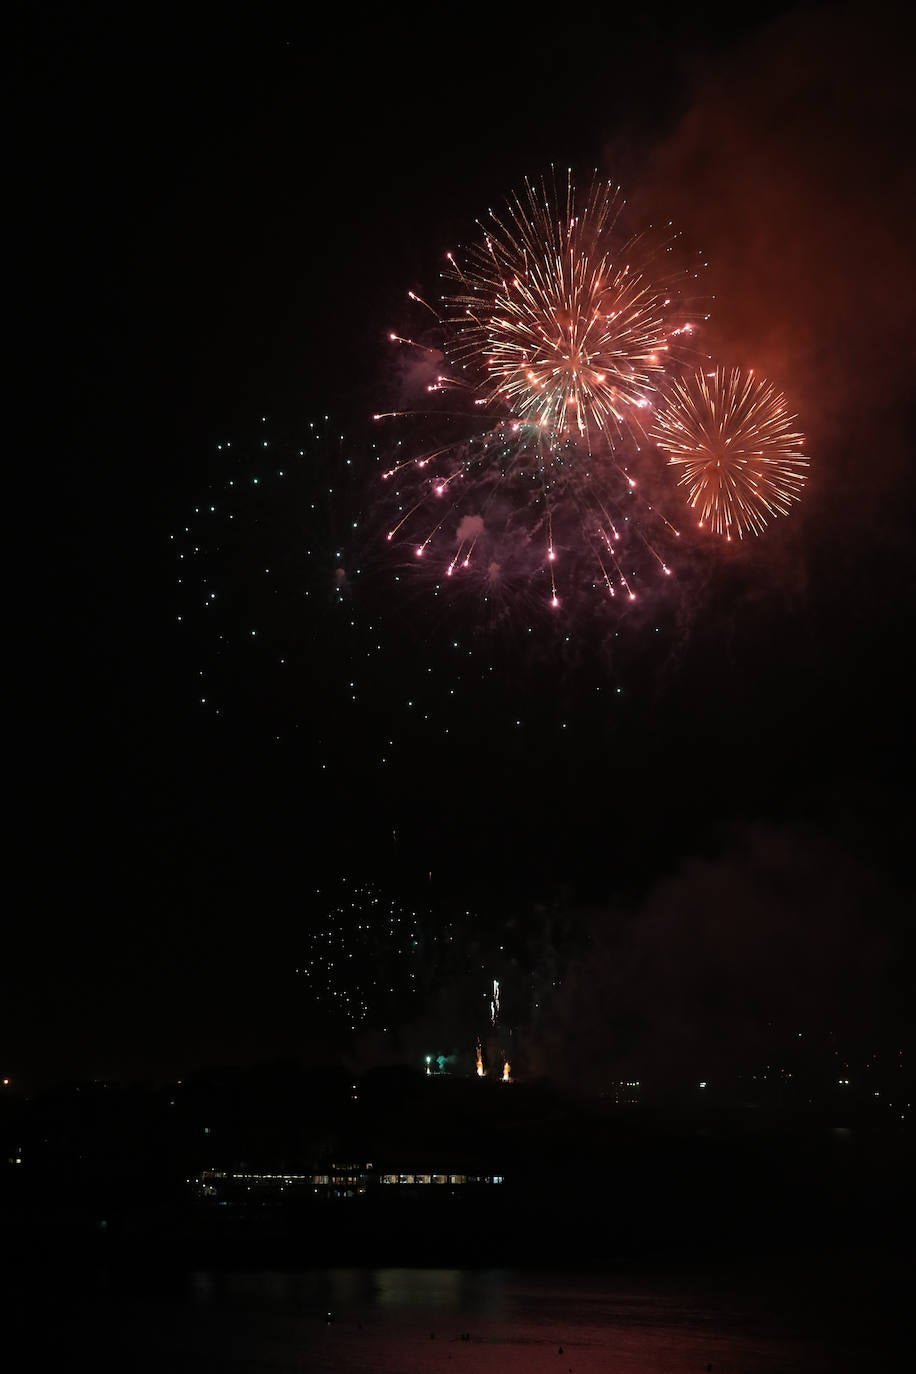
561, 315
733, 437
554, 334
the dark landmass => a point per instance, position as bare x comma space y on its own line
105, 1174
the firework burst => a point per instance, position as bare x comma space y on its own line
563, 319
362, 955
733, 439
525, 466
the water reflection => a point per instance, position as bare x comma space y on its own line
355, 1319
832, 1318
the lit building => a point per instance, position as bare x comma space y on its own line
626, 1091
240, 1186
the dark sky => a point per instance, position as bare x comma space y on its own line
220, 217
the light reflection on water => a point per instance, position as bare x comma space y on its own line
831, 1315
454, 1321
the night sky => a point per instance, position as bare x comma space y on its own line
221, 216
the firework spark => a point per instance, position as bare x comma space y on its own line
263, 573
733, 438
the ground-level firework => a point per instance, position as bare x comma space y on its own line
733, 440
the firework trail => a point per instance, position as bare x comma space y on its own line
733, 439
555, 332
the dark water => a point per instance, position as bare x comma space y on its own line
811, 1316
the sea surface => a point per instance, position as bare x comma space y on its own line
802, 1316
